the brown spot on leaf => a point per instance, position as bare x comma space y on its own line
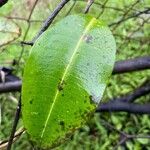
60, 86
31, 101
62, 124
91, 99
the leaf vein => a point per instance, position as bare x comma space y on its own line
66, 71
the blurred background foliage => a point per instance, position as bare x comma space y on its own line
133, 40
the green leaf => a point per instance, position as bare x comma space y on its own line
9, 31
65, 78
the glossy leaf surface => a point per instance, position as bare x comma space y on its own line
65, 77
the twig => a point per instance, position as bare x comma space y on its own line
69, 11
89, 4
17, 33
140, 91
3, 2
100, 4
27, 30
22, 19
146, 11
48, 21
124, 136
124, 103
103, 9
127, 11
17, 116
18, 133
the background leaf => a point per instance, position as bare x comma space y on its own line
65, 77
9, 31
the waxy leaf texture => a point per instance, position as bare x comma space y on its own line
65, 78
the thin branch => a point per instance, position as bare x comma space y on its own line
18, 133
102, 5
27, 30
127, 12
71, 8
89, 4
22, 19
146, 11
48, 21
3, 2
139, 92
115, 105
102, 9
17, 116
123, 135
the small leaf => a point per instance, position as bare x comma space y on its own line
65, 78
9, 31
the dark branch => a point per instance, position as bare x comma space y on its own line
124, 103
130, 65
3, 2
115, 105
13, 83
12, 86
140, 91
89, 4
48, 21
119, 106
17, 116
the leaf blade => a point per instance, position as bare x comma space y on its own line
50, 72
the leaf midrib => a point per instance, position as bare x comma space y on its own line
89, 25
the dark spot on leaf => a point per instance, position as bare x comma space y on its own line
62, 124
88, 38
77, 53
31, 101
93, 99
61, 85
62, 94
